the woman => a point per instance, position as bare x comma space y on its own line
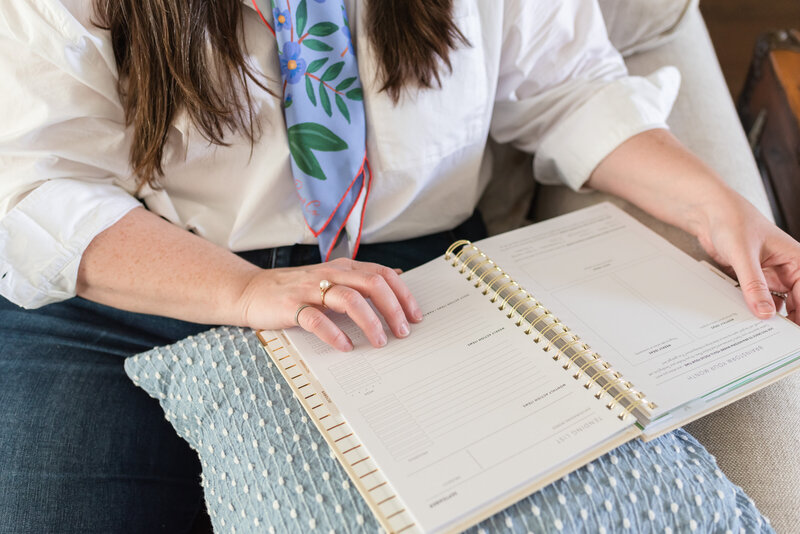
200, 110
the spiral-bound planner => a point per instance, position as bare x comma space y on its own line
352, 455
540, 350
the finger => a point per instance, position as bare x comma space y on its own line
375, 286
754, 286
347, 300
792, 302
775, 281
398, 287
313, 320
791, 307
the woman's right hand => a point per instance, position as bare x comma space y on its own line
272, 298
144, 264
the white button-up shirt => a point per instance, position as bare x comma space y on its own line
540, 74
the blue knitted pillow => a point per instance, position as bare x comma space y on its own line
266, 468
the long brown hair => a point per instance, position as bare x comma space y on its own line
174, 54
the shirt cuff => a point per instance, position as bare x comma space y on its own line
622, 109
44, 236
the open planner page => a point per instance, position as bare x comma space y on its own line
671, 326
467, 410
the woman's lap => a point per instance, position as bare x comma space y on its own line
81, 448
84, 450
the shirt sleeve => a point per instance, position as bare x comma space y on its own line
63, 150
564, 92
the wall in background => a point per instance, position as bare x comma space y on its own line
735, 25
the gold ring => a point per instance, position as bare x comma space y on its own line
297, 313
324, 286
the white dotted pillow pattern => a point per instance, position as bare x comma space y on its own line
266, 468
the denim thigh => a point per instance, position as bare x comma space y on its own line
81, 448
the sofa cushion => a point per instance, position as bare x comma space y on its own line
267, 469
638, 25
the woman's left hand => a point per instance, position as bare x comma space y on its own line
760, 255
655, 172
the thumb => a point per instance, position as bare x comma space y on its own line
754, 287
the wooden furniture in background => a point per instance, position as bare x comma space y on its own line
769, 107
735, 25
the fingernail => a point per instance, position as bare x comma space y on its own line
417, 314
382, 340
346, 346
765, 307
403, 330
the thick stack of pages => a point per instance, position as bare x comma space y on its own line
541, 349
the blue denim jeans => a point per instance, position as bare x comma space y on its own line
84, 450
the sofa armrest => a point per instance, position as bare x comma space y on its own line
638, 25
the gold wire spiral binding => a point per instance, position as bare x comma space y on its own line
535, 307
569, 345
464, 264
518, 304
543, 332
622, 394
460, 252
507, 284
572, 359
505, 300
543, 316
598, 374
493, 269
478, 266
585, 366
477, 255
552, 326
469, 254
563, 350
495, 279
608, 385
552, 342
631, 407
530, 327
454, 246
